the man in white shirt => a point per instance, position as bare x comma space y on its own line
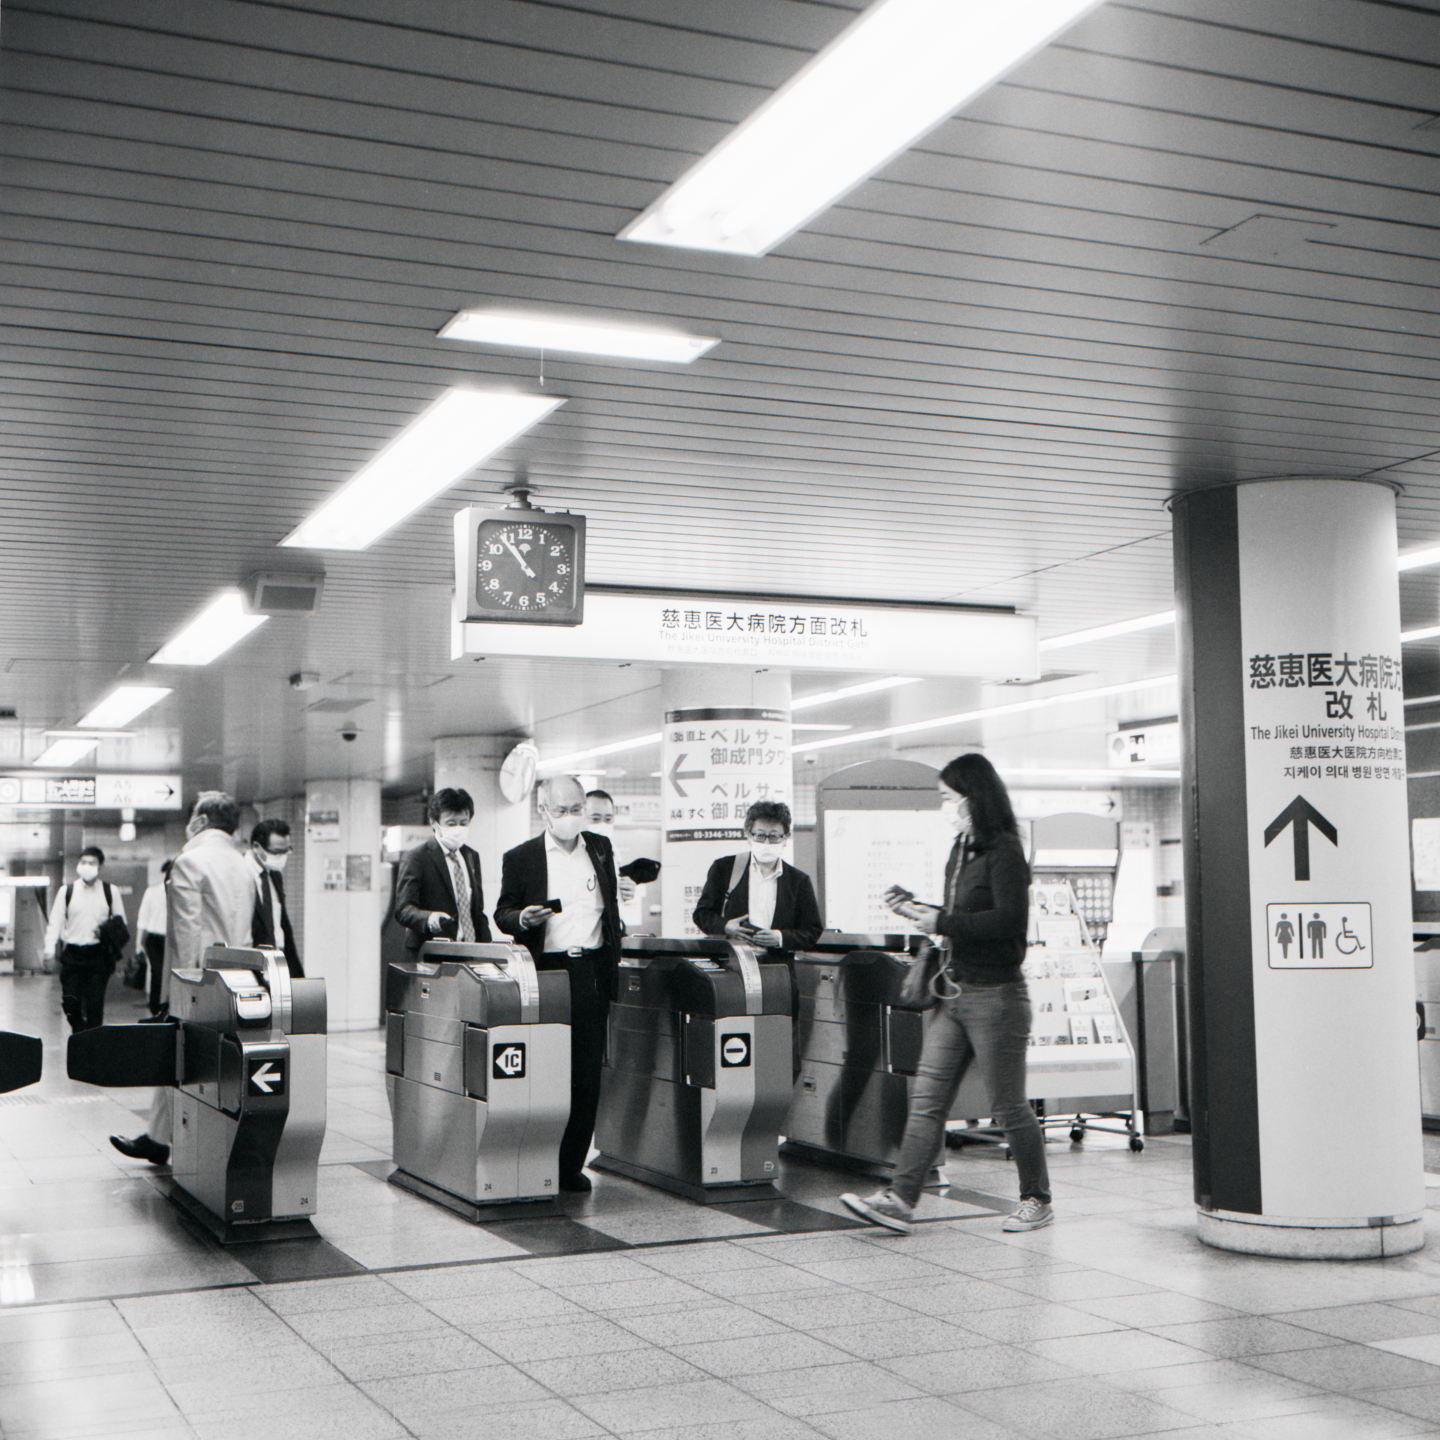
74, 933
211, 901
580, 935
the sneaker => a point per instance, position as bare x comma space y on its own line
1032, 1215
885, 1208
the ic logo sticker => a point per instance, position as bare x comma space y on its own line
734, 1050
508, 1062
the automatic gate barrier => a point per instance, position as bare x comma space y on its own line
697, 1073
477, 1048
858, 1052
245, 1051
22, 1058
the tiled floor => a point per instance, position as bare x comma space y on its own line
640, 1315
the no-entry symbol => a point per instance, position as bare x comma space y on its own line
734, 1050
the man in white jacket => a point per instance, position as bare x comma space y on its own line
210, 900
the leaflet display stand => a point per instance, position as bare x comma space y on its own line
1081, 1064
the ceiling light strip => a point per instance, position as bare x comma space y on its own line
62, 753
846, 692
1106, 632
1014, 708
885, 81
444, 443
122, 705
221, 624
521, 331
561, 762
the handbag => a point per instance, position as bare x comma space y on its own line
915, 990
133, 976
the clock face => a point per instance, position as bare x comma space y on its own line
526, 566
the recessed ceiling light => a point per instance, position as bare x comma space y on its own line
889, 78
445, 442
1415, 559
221, 624
122, 705
1014, 708
1428, 633
563, 762
798, 728
1106, 632
865, 687
61, 753
522, 331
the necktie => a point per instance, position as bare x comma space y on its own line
466, 930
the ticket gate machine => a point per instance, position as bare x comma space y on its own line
858, 1050
477, 1051
245, 1050
697, 1073
22, 1058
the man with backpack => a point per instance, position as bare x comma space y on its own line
87, 927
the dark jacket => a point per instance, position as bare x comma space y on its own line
797, 914
424, 884
987, 910
263, 930
525, 880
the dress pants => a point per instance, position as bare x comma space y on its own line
84, 974
155, 953
589, 1004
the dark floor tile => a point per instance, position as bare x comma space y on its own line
285, 1260
788, 1216
559, 1235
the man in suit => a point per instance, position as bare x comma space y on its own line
438, 893
581, 937
270, 847
209, 900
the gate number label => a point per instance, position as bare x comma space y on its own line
266, 1077
508, 1061
734, 1050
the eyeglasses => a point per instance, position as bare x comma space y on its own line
768, 837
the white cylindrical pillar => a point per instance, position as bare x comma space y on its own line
726, 744
1304, 1086
343, 902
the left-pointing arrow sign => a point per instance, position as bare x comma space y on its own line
677, 775
265, 1078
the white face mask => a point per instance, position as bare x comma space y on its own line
452, 837
273, 862
87, 871
956, 813
564, 827
767, 851
601, 827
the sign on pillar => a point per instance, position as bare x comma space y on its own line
715, 763
1305, 1086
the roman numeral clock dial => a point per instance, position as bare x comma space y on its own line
525, 565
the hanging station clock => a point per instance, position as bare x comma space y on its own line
521, 564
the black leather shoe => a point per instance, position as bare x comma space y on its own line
142, 1147
576, 1184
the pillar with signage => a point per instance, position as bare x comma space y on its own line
726, 744
472, 763
343, 901
1304, 1084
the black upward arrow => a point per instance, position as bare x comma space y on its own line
1302, 814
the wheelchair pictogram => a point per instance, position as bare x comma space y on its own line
1355, 942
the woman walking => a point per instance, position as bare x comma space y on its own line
984, 1006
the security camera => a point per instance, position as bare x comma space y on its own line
349, 730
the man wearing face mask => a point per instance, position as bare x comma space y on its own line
438, 894
581, 936
270, 847
209, 900
74, 929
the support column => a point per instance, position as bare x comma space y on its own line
726, 744
1304, 1082
343, 903
472, 763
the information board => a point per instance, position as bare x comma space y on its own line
867, 851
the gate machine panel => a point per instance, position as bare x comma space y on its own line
697, 1076
477, 1048
245, 1051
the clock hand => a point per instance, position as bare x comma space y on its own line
519, 557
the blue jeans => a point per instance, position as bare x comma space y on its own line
989, 1024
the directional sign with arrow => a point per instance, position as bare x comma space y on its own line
267, 1077
1301, 814
677, 774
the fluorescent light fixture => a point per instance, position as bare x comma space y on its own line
866, 687
122, 705
61, 753
89, 734
521, 331
1422, 700
221, 624
1109, 777
1106, 632
462, 428
1415, 559
889, 78
564, 762
798, 728
1014, 708
1428, 633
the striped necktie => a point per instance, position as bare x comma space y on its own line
466, 929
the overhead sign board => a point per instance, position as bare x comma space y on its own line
675, 628
92, 792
